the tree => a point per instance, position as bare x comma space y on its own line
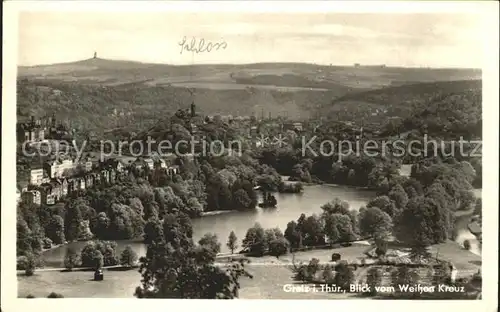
101, 228
84, 230
232, 242
413, 188
72, 259
47, 243
272, 234
211, 242
312, 230
175, 268
336, 206
152, 230
423, 222
194, 206
30, 266
109, 252
55, 230
398, 195
338, 228
72, 220
24, 237
242, 200
374, 222
384, 203
128, 257
92, 255
278, 247
374, 279
293, 235
97, 260
255, 240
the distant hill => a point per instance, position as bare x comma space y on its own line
454, 105
99, 94
224, 76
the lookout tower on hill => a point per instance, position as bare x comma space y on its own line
95, 55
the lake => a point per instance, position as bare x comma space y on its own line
289, 208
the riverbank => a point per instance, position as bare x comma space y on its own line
365, 188
216, 212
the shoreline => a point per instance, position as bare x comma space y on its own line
215, 213
365, 188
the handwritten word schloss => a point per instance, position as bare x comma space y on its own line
201, 46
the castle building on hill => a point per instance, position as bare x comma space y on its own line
39, 130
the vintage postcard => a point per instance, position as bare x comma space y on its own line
236, 150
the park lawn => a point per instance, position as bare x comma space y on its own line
267, 281
269, 276
466, 262
79, 284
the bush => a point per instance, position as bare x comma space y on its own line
336, 256
22, 262
55, 295
47, 243
106, 250
72, 259
30, 267
467, 244
307, 273
278, 247
128, 257
30, 296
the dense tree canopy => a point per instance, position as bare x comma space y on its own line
174, 267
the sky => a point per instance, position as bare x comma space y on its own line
414, 40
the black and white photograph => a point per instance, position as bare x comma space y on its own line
237, 153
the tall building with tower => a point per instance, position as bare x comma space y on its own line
193, 109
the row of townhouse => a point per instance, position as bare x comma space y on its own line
48, 188
55, 189
57, 169
156, 162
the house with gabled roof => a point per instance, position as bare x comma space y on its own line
32, 197
36, 176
